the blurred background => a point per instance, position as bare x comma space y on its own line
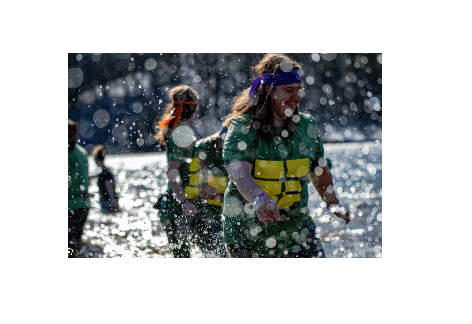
117, 99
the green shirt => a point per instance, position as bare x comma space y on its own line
180, 148
280, 166
211, 155
78, 178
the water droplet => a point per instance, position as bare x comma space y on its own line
374, 104
137, 107
242, 145
76, 77
150, 64
286, 65
183, 136
315, 57
288, 112
101, 118
271, 242
327, 88
328, 56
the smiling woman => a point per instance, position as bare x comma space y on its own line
265, 203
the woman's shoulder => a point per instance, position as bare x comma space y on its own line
308, 128
307, 118
244, 118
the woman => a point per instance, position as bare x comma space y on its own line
183, 172
271, 151
209, 151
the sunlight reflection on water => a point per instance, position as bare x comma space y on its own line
137, 232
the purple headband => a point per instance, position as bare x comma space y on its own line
276, 79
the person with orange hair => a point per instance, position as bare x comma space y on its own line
179, 204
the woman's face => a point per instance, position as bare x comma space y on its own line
285, 100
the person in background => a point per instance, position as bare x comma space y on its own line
179, 203
209, 151
271, 152
78, 183
106, 183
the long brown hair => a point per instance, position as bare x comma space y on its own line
262, 104
180, 93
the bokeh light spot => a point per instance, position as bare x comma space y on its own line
343, 120
286, 65
271, 242
119, 132
101, 118
242, 145
207, 125
183, 136
328, 56
137, 107
150, 64
76, 77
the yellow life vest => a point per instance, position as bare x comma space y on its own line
219, 183
192, 190
281, 180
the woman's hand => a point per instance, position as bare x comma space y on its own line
189, 209
340, 211
267, 210
209, 192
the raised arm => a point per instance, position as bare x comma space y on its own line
266, 208
208, 191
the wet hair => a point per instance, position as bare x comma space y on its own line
179, 93
262, 104
99, 153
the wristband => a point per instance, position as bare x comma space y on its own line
259, 197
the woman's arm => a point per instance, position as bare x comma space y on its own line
174, 181
322, 180
208, 191
266, 208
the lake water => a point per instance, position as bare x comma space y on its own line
137, 232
